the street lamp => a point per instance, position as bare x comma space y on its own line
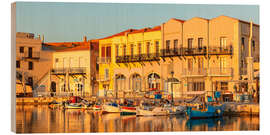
172, 86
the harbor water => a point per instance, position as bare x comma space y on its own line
42, 119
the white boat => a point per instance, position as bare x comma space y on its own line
174, 110
110, 108
156, 111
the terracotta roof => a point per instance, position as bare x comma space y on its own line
66, 44
182, 21
119, 34
77, 48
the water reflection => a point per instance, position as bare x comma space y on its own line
41, 119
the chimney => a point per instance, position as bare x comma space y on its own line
84, 38
42, 39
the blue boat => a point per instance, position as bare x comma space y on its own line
204, 111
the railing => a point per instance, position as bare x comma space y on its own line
220, 71
194, 72
27, 55
196, 51
220, 50
75, 70
243, 71
137, 58
104, 60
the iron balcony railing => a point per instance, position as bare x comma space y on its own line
27, 55
74, 70
228, 50
137, 58
102, 78
194, 72
196, 51
220, 71
104, 60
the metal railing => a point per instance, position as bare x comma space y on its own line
220, 71
102, 78
104, 60
194, 72
33, 55
220, 50
138, 58
74, 70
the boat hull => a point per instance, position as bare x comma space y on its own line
128, 110
155, 112
110, 109
210, 112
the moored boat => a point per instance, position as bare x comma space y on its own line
128, 110
156, 111
110, 108
204, 111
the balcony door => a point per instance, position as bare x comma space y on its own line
200, 65
223, 42
190, 42
30, 52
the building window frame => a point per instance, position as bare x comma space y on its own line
21, 49
30, 65
18, 64
190, 43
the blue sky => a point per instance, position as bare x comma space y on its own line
64, 22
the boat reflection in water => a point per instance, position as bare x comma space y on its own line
41, 119
205, 124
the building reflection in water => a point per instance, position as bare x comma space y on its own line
41, 119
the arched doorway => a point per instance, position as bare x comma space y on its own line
120, 84
153, 81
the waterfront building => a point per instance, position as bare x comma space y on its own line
181, 58
74, 69
32, 63
126, 62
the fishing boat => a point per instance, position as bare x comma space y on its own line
175, 110
54, 104
204, 111
110, 108
75, 106
96, 107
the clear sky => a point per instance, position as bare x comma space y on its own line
65, 22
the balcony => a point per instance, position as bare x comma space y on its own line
104, 60
71, 71
220, 50
194, 72
27, 55
137, 58
220, 71
183, 52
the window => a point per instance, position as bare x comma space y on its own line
117, 50
18, 64
30, 81
253, 45
97, 67
106, 76
190, 64
30, 65
196, 86
124, 50
190, 40
108, 52
200, 42
131, 49
167, 45
148, 47
56, 60
21, 49
175, 43
243, 41
223, 42
103, 51
157, 47
224, 85
139, 48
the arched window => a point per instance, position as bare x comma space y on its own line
120, 82
136, 82
153, 81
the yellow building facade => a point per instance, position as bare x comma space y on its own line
181, 58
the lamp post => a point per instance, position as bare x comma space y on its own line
172, 86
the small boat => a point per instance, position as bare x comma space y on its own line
156, 111
96, 107
54, 104
75, 106
110, 108
175, 110
128, 110
204, 111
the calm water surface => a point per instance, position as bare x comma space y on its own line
41, 119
